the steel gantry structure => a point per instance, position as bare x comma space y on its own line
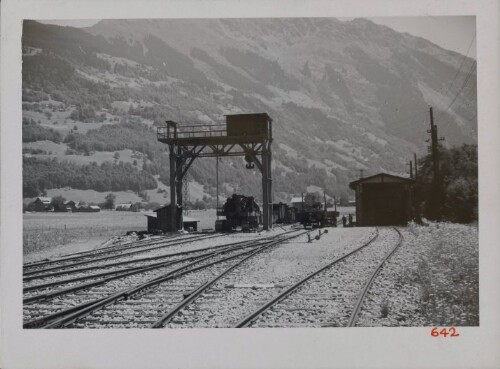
247, 135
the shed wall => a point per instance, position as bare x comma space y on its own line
383, 204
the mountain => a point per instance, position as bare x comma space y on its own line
343, 96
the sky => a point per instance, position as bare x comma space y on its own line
452, 33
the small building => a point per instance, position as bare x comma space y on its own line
163, 216
383, 199
123, 207
70, 205
152, 224
161, 222
87, 209
94, 209
190, 224
42, 204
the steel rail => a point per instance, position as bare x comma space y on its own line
69, 315
176, 243
364, 291
100, 303
104, 266
138, 268
81, 310
245, 322
105, 250
194, 295
52, 294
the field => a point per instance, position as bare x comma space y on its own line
47, 234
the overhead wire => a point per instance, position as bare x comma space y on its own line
466, 80
464, 84
453, 80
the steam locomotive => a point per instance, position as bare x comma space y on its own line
240, 212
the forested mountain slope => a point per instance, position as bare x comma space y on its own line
343, 96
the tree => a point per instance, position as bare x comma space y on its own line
458, 183
116, 156
58, 203
109, 202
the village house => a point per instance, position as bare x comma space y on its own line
42, 204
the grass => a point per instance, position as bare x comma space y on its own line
46, 230
447, 274
42, 231
37, 240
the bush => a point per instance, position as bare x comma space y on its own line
459, 183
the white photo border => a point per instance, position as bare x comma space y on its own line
247, 348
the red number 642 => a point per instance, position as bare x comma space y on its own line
445, 332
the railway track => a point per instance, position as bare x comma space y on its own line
118, 244
223, 304
335, 299
41, 269
91, 296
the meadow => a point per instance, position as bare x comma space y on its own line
45, 231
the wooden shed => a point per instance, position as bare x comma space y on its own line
383, 199
152, 224
161, 222
163, 218
190, 224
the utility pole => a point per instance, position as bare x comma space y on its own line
411, 169
437, 198
416, 165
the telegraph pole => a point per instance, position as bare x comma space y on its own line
437, 200
411, 169
416, 165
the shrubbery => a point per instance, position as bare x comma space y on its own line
459, 183
34, 132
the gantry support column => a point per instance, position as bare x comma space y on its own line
265, 189
270, 187
173, 176
178, 188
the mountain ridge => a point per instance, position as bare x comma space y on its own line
344, 95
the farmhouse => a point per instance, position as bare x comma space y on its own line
87, 209
42, 204
94, 209
70, 205
123, 207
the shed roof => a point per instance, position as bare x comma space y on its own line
165, 206
382, 177
296, 199
45, 199
184, 218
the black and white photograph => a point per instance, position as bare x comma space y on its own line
306, 188
200, 174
